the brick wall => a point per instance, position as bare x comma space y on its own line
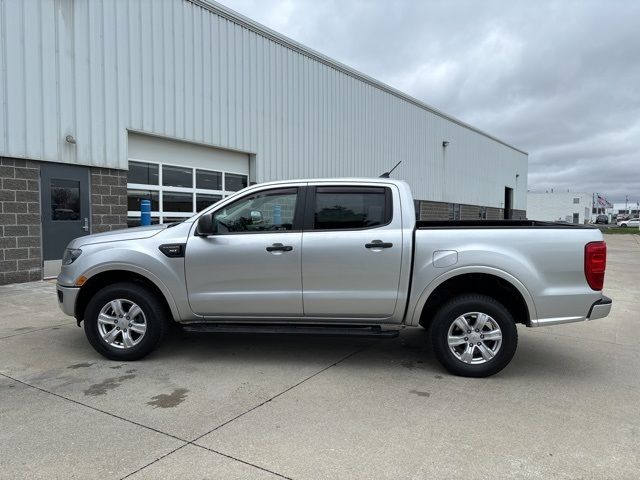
108, 199
519, 214
20, 240
495, 213
469, 212
434, 210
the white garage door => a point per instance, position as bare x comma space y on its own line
179, 178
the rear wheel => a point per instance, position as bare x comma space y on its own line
125, 321
474, 336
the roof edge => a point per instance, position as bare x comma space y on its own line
283, 40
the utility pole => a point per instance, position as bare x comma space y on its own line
626, 204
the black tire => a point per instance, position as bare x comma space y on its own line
157, 321
458, 306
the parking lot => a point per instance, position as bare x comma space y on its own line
233, 406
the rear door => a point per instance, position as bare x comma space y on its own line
351, 251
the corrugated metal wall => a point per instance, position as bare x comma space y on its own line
93, 69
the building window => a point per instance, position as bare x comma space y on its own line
143, 173
176, 192
576, 200
483, 213
208, 180
233, 182
177, 176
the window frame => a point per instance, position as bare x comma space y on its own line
310, 202
161, 214
298, 213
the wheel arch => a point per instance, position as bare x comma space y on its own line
98, 280
492, 282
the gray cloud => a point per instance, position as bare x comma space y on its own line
560, 79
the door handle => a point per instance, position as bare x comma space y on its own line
85, 225
278, 247
378, 244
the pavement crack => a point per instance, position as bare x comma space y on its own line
240, 460
156, 460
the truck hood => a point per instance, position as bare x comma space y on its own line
135, 233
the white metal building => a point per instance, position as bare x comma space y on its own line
103, 103
571, 207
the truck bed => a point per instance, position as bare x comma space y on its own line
430, 224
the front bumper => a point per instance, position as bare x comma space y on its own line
600, 309
67, 299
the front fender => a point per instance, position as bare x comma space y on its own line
111, 266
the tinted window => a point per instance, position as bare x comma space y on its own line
233, 183
177, 176
272, 210
177, 202
65, 199
208, 180
203, 201
354, 207
134, 197
146, 173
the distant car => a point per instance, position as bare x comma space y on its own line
633, 222
602, 219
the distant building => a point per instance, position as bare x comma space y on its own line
571, 207
626, 208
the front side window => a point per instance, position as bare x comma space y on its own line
268, 211
340, 208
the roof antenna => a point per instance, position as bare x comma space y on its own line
388, 174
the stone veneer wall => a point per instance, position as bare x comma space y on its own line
440, 211
108, 199
20, 231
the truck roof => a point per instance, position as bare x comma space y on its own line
340, 180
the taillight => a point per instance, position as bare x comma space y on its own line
595, 262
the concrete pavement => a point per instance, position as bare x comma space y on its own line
232, 406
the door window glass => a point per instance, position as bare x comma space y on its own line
140, 172
204, 200
233, 183
268, 211
177, 176
352, 207
177, 202
134, 197
65, 199
208, 180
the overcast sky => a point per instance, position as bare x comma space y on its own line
559, 79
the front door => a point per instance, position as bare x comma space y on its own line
352, 252
251, 266
65, 210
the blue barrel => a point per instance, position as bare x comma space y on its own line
277, 215
145, 212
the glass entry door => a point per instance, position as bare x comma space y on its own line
65, 210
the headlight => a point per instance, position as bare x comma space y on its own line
70, 255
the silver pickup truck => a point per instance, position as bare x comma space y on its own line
335, 257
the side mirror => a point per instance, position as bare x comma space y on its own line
256, 216
206, 226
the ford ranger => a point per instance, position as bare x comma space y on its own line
338, 257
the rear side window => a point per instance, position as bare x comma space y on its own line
342, 208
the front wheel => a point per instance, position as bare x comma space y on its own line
474, 336
125, 321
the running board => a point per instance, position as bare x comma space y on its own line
350, 331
